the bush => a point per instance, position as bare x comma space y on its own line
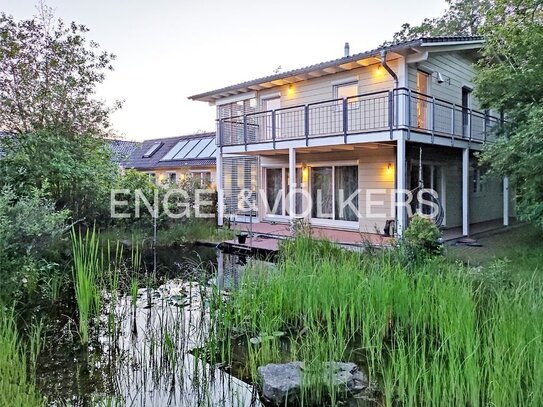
422, 239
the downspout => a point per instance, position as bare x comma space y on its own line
388, 68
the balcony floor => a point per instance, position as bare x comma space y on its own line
281, 231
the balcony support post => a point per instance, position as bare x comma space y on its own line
245, 131
401, 185
465, 191
345, 120
433, 118
453, 124
292, 182
391, 113
409, 96
306, 124
505, 201
274, 127
220, 190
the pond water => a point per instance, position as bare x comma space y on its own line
143, 357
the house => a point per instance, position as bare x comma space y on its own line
169, 160
121, 150
355, 135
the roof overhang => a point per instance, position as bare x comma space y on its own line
412, 50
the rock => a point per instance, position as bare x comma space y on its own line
281, 383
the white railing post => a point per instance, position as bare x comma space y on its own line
465, 191
505, 201
292, 182
401, 214
220, 191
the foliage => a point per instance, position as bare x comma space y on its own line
510, 79
28, 226
462, 17
426, 336
89, 265
49, 73
422, 238
77, 173
15, 387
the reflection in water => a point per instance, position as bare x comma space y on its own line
141, 356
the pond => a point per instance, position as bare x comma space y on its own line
141, 349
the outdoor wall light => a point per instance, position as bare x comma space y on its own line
389, 168
290, 90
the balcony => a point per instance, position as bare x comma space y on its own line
385, 111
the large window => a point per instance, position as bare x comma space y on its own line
202, 177
334, 193
277, 181
346, 90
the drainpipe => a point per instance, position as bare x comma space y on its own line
388, 68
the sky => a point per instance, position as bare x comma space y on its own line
168, 50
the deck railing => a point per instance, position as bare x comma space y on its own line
371, 112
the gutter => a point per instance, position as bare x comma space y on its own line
388, 68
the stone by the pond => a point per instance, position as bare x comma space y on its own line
282, 382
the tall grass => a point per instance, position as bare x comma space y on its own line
88, 270
16, 389
432, 335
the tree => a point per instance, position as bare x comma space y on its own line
510, 79
462, 17
48, 77
49, 72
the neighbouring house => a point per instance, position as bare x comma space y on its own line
121, 151
348, 133
170, 160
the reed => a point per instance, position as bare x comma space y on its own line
16, 388
432, 335
88, 270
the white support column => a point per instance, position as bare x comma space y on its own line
292, 182
505, 201
465, 191
220, 190
401, 214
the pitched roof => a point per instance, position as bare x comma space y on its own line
121, 150
191, 150
290, 76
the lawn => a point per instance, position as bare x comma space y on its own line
519, 251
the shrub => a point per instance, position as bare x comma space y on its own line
422, 238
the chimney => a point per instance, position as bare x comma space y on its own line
346, 50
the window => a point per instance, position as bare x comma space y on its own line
153, 149
466, 106
172, 177
152, 177
202, 177
423, 89
346, 90
478, 180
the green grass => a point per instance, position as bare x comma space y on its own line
520, 250
16, 389
196, 230
87, 271
434, 334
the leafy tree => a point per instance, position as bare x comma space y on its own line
510, 79
462, 17
48, 76
49, 72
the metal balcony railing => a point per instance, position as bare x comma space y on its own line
371, 112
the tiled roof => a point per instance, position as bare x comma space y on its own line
156, 160
339, 61
121, 150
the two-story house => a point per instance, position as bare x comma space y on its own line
342, 143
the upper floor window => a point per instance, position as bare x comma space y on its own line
346, 90
172, 177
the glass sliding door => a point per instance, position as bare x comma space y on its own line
274, 191
299, 196
334, 194
322, 192
346, 193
